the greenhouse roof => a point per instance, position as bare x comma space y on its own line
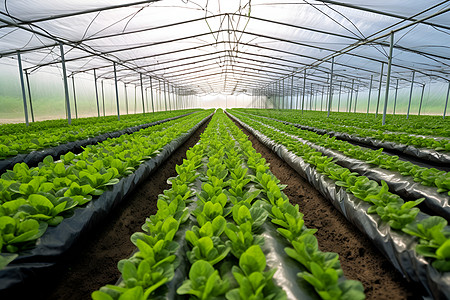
232, 46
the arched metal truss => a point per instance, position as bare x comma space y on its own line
207, 47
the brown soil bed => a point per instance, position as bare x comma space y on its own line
94, 264
359, 258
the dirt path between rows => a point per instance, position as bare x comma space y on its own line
359, 258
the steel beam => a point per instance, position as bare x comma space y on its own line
96, 93
126, 97
142, 93
103, 99
331, 87
22, 85
421, 99
446, 101
74, 96
29, 96
351, 97
304, 90
66, 86
370, 92
339, 99
117, 92
395, 97
379, 90
151, 93
410, 95
388, 78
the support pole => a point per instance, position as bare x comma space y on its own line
103, 99
331, 87
29, 95
74, 96
410, 95
168, 96
379, 89
151, 93
24, 96
446, 101
135, 98
304, 90
142, 93
321, 99
292, 92
315, 100
66, 86
117, 92
311, 99
339, 99
96, 93
351, 97
148, 105
165, 99
284, 102
356, 99
395, 97
146, 97
370, 92
421, 99
348, 101
174, 98
388, 78
126, 97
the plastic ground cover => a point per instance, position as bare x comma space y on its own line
402, 185
34, 157
57, 241
397, 247
422, 153
273, 248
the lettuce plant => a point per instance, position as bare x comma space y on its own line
17, 235
256, 215
204, 282
434, 240
241, 238
254, 282
210, 249
209, 229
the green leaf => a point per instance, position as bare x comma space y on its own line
252, 260
98, 295
40, 201
443, 252
218, 225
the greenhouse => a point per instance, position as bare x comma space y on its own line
178, 149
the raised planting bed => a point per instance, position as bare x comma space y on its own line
57, 241
400, 248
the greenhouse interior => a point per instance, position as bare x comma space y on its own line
238, 149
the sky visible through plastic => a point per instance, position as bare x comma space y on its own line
223, 52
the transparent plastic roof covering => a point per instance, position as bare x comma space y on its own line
232, 46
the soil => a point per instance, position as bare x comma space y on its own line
94, 264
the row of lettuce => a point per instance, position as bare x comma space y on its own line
18, 139
400, 131
31, 199
422, 125
431, 177
218, 207
432, 233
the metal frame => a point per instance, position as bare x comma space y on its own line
242, 71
